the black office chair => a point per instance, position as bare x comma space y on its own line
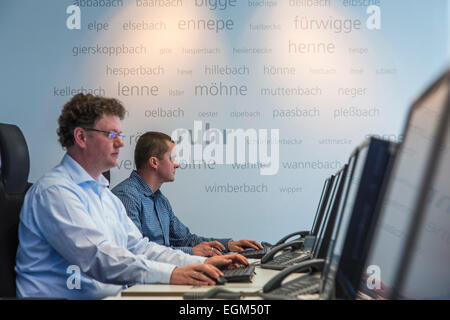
14, 170
107, 175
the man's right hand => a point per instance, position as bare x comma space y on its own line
208, 249
193, 275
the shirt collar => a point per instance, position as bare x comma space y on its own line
145, 188
78, 174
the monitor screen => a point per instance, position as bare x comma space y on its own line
427, 271
347, 258
341, 207
400, 198
340, 230
322, 202
321, 250
326, 214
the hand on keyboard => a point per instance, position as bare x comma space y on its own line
195, 274
229, 261
238, 246
241, 274
208, 249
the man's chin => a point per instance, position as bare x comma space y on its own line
112, 164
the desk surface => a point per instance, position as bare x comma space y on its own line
164, 291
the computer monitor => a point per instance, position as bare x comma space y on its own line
349, 181
346, 186
329, 205
320, 250
340, 209
357, 216
403, 192
425, 269
322, 204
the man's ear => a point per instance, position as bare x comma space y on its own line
79, 135
153, 162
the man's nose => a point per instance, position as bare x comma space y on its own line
118, 142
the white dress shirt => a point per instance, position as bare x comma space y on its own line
71, 222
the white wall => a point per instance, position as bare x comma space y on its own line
389, 66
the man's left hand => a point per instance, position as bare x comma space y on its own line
238, 246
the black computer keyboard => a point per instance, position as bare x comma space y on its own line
294, 288
241, 274
253, 254
285, 260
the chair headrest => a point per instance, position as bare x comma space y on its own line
15, 160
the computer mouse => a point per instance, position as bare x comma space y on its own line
219, 281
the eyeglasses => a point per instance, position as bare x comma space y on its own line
173, 158
110, 134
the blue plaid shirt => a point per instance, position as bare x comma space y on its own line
154, 217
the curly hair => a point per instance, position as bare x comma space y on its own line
84, 111
150, 144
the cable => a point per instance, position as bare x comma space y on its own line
218, 293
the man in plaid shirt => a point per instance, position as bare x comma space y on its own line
150, 210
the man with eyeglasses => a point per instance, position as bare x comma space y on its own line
75, 238
151, 211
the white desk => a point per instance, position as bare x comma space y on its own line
165, 291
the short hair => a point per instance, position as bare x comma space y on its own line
84, 111
150, 144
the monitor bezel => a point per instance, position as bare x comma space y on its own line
406, 128
379, 152
350, 171
327, 210
322, 204
429, 176
321, 250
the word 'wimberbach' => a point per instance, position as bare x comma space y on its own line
228, 147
